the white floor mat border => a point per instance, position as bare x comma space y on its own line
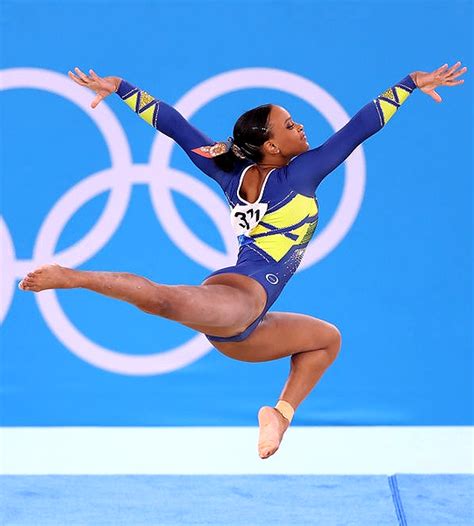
233, 450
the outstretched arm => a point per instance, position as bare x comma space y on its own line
307, 170
158, 114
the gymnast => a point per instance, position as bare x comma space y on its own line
269, 176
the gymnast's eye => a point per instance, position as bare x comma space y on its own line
291, 126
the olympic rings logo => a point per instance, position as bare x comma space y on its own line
161, 179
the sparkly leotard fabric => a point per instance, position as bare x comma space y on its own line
274, 231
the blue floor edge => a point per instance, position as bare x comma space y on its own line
397, 501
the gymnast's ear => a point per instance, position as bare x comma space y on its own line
271, 148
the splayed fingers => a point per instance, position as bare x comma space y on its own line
101, 86
82, 75
443, 76
76, 79
93, 74
450, 81
449, 75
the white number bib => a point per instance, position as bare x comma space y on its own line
245, 218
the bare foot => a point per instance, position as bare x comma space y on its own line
272, 427
48, 277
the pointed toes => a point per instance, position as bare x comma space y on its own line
267, 450
27, 284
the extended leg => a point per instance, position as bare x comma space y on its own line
211, 306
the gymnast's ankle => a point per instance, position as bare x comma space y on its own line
285, 409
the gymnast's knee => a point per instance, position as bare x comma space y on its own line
335, 342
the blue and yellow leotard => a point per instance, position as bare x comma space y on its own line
274, 231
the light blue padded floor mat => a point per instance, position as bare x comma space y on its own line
437, 499
235, 500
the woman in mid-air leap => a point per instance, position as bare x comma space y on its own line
269, 177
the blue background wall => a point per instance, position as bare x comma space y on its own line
399, 285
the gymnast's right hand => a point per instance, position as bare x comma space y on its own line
103, 86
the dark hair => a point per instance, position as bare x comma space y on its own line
250, 131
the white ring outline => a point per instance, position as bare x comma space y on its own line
7, 275
268, 78
114, 137
48, 235
100, 356
225, 83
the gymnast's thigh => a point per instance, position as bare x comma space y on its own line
281, 334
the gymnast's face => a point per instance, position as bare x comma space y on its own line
288, 137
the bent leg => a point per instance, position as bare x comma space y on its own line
210, 306
313, 345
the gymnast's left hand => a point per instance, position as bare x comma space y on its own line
443, 76
103, 86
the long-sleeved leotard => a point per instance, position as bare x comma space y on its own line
275, 230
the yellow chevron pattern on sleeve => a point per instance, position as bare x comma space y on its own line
389, 95
402, 94
388, 110
145, 99
147, 115
397, 95
137, 104
132, 101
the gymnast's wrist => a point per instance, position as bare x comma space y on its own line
116, 81
414, 77
124, 88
